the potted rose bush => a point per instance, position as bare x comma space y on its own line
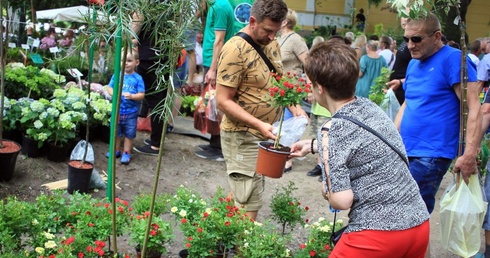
286, 91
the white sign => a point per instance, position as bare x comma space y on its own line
36, 43
74, 72
12, 45
25, 46
54, 50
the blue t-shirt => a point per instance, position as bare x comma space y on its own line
430, 123
133, 83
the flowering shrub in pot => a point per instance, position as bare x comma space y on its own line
216, 231
286, 208
160, 234
287, 90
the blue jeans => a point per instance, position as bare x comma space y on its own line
428, 173
126, 125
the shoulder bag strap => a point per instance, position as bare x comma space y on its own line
250, 41
392, 58
287, 38
369, 129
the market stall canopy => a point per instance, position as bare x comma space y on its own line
72, 14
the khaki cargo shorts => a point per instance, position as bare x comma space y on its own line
240, 151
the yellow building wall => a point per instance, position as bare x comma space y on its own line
478, 18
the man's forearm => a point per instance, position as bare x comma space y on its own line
217, 46
474, 121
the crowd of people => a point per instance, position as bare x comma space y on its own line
386, 172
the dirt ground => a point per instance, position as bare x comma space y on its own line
181, 167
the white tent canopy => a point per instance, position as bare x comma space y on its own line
73, 14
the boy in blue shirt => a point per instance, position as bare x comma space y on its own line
133, 91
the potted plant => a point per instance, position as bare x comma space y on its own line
63, 129
263, 241
9, 150
160, 235
216, 230
36, 132
287, 90
286, 208
318, 240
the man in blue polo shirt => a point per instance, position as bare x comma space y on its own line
429, 118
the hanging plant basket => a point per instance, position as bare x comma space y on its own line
270, 161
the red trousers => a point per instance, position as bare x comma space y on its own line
409, 243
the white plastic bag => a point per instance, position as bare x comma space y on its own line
462, 211
292, 129
390, 104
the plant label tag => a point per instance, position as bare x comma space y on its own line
54, 50
30, 41
82, 54
37, 59
456, 20
74, 72
12, 45
36, 43
25, 46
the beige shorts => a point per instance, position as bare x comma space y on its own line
240, 151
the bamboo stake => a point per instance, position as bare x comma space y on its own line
463, 107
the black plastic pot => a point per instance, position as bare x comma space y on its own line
79, 177
8, 159
30, 148
57, 153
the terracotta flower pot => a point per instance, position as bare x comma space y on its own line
8, 159
270, 161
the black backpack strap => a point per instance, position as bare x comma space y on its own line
371, 130
250, 41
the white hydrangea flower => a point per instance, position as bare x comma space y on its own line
42, 136
37, 106
38, 124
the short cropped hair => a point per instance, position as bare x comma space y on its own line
386, 42
333, 66
430, 23
475, 46
275, 10
292, 19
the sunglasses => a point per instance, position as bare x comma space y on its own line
417, 39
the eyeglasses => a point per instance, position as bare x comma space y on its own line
417, 39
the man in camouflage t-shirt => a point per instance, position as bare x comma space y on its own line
243, 81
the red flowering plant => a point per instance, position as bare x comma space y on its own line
318, 241
217, 230
160, 235
286, 208
287, 90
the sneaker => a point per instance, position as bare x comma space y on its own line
170, 128
205, 147
214, 155
146, 150
125, 158
118, 154
147, 141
